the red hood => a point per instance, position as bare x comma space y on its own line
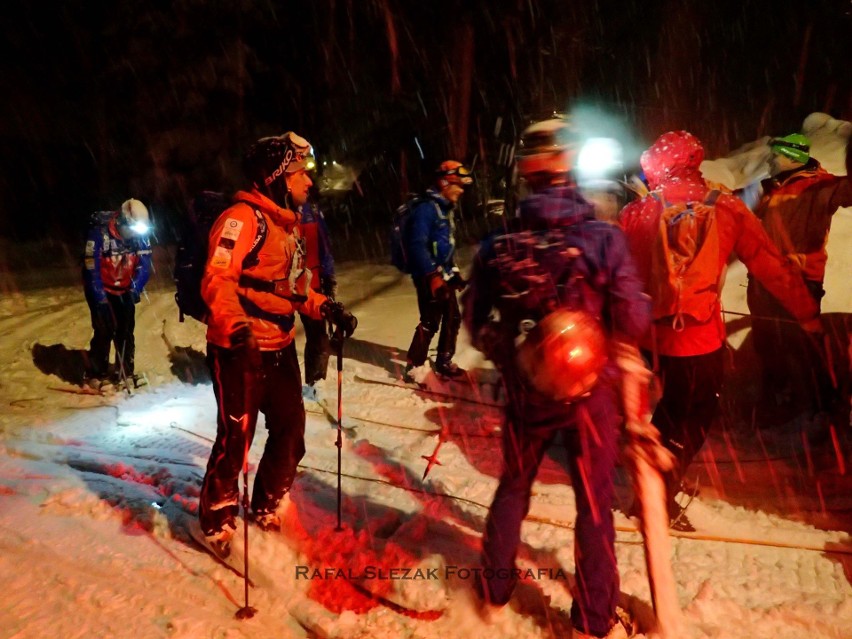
673, 158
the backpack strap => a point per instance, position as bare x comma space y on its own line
252, 259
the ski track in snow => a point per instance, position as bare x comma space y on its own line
95, 494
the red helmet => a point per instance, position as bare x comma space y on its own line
563, 355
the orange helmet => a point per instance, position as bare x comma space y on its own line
563, 355
453, 172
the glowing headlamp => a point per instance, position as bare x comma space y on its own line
599, 157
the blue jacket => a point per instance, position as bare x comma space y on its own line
111, 263
558, 255
429, 235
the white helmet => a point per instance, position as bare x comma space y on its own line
135, 215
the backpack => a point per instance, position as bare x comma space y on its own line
685, 260
399, 229
550, 296
399, 225
191, 257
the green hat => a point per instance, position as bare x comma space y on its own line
795, 146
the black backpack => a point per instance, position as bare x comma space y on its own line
191, 257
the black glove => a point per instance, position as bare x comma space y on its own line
457, 282
244, 341
328, 286
343, 320
105, 316
130, 297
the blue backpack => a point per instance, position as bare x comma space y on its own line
191, 257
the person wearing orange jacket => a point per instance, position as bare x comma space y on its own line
796, 208
690, 351
254, 283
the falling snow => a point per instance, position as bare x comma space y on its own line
96, 492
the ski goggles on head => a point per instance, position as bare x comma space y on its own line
457, 175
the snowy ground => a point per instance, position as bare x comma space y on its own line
95, 494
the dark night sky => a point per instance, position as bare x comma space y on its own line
103, 100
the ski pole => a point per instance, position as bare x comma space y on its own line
246, 612
337, 341
119, 353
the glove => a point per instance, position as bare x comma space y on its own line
457, 282
438, 287
343, 320
328, 286
135, 295
644, 441
243, 341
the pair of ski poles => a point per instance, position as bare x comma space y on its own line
337, 340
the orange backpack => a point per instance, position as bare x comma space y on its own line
685, 261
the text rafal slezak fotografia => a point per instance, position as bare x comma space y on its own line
385, 573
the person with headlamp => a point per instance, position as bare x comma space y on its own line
796, 206
116, 267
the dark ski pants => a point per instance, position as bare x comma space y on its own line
113, 323
690, 401
317, 349
791, 361
434, 314
275, 390
590, 429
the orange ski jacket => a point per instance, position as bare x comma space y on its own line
279, 262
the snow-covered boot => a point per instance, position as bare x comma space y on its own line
269, 521
99, 384
219, 541
407, 376
138, 380
622, 628
445, 367
678, 519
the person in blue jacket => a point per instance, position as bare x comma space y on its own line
320, 262
430, 246
556, 258
117, 264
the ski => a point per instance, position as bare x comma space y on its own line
331, 414
839, 549
654, 525
369, 379
324, 409
81, 390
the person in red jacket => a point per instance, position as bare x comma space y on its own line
321, 264
690, 351
796, 208
253, 295
116, 267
